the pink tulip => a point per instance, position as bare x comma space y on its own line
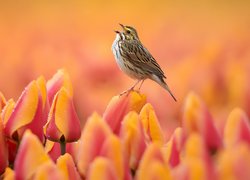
97, 140
30, 112
31, 155
173, 147
63, 123
53, 149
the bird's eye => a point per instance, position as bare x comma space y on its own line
128, 31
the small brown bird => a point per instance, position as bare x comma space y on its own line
135, 60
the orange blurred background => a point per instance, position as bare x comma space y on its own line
202, 47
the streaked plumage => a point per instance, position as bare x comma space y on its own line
135, 60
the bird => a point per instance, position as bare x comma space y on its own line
135, 60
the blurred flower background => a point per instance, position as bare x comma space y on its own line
203, 46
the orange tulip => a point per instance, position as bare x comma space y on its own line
119, 106
102, 168
198, 119
234, 162
153, 165
133, 139
237, 128
151, 124
66, 164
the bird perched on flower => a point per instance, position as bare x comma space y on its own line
135, 60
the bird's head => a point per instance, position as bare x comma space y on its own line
128, 32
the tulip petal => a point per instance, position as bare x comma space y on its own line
48, 171
198, 119
59, 80
66, 164
93, 136
102, 168
151, 124
63, 121
9, 174
119, 106
197, 158
29, 112
3, 150
133, 139
24, 110
153, 165
237, 128
234, 162
7, 110
2, 101
112, 149
30, 156
173, 148
53, 149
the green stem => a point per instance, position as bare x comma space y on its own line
63, 147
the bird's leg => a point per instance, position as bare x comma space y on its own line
130, 89
142, 81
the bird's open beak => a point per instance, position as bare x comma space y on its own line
122, 26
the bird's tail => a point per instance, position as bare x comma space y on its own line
163, 84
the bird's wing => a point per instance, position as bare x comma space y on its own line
140, 57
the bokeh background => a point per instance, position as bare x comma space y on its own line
203, 46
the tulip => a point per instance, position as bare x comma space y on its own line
98, 140
237, 128
151, 124
133, 139
53, 149
31, 155
66, 164
198, 119
11, 144
7, 110
234, 162
196, 159
48, 171
9, 174
153, 164
29, 112
119, 106
102, 168
173, 147
63, 124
